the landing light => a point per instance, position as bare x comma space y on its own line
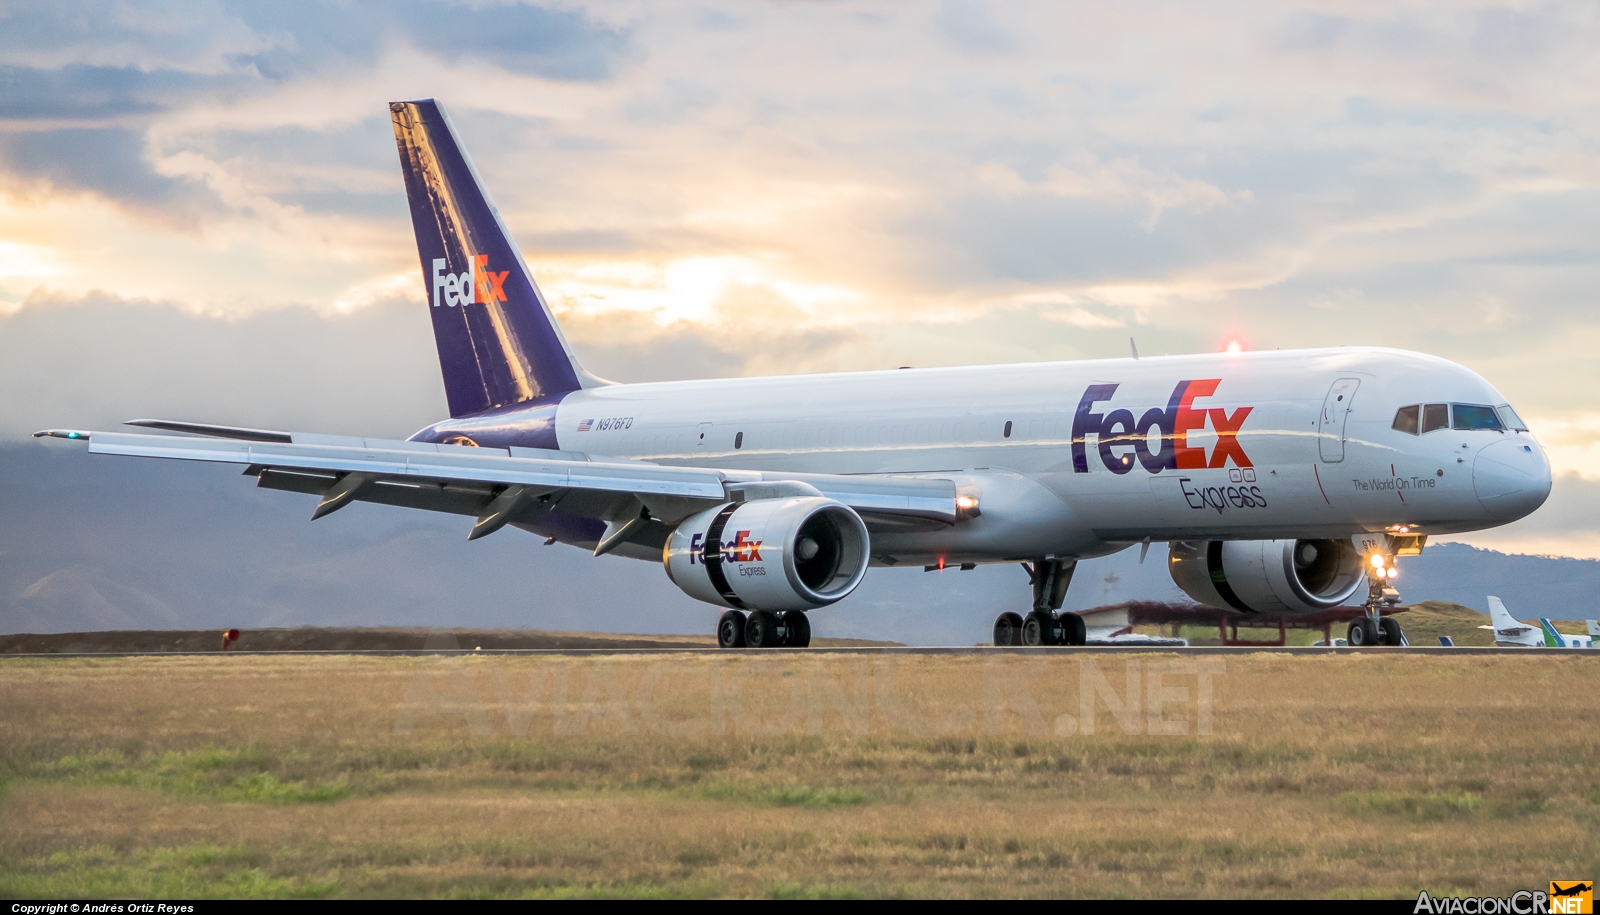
966, 502
1377, 561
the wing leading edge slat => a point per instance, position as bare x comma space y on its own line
927, 500
689, 482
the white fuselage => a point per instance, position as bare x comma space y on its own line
1268, 445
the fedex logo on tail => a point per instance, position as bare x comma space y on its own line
478, 286
1118, 429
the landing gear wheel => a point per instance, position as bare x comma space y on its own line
1073, 630
761, 629
730, 630
1039, 629
1389, 628
799, 629
1362, 632
1008, 629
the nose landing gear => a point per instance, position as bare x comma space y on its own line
1375, 628
1043, 626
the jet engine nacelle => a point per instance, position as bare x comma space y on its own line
1260, 576
769, 554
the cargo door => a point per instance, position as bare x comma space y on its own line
1335, 411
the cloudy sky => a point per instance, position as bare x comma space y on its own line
201, 211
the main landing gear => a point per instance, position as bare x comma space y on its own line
1044, 625
763, 629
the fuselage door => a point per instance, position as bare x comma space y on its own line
1335, 410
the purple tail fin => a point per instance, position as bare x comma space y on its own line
498, 343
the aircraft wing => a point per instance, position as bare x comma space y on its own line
510, 485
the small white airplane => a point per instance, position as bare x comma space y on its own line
1510, 632
1554, 639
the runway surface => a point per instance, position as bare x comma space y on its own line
976, 649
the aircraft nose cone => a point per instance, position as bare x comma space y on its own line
1511, 478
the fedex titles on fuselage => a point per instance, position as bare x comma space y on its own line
478, 286
1117, 428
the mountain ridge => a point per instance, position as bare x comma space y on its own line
95, 543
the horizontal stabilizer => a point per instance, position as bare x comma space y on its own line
238, 432
429, 461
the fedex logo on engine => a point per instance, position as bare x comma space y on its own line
478, 286
740, 549
1117, 429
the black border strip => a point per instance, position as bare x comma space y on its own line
1219, 578
712, 556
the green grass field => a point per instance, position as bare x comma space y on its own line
795, 775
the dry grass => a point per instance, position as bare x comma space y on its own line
794, 775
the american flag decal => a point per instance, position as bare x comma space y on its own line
586, 425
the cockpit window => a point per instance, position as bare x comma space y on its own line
1510, 418
1435, 416
1472, 416
1406, 419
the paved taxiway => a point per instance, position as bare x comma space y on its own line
756, 652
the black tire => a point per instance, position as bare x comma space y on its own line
1353, 636
761, 629
799, 629
1039, 629
1389, 629
730, 630
1362, 633
1073, 630
1008, 629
